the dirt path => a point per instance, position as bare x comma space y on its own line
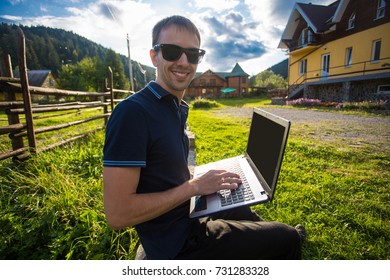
355, 130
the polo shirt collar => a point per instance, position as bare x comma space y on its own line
158, 91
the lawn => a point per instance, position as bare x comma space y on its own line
51, 205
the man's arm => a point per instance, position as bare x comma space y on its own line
124, 207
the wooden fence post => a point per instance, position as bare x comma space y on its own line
26, 91
104, 100
111, 85
6, 71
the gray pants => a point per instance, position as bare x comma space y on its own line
241, 235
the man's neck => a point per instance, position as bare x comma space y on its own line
179, 94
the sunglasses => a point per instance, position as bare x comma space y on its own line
173, 53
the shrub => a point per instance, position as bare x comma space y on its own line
365, 105
304, 102
199, 103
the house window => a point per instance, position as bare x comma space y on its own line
351, 21
202, 82
383, 89
243, 80
380, 11
309, 36
306, 37
325, 67
302, 38
213, 82
376, 50
348, 56
303, 67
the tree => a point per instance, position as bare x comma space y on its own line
90, 73
113, 60
270, 80
52, 49
82, 76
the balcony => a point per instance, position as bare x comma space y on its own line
205, 84
364, 70
307, 40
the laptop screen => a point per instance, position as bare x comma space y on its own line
266, 144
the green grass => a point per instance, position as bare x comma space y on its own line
51, 206
245, 102
217, 137
340, 193
52, 119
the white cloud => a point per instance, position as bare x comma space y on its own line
243, 31
109, 27
43, 8
216, 5
15, 2
12, 18
268, 23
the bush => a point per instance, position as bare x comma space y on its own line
365, 105
204, 103
304, 102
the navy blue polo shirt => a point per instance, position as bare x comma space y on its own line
147, 130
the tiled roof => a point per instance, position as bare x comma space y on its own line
35, 77
236, 72
319, 16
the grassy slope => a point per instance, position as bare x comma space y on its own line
51, 206
339, 193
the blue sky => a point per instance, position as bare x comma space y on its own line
243, 31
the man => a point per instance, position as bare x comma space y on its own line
146, 178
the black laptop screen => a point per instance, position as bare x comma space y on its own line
266, 146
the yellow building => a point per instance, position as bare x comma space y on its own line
339, 52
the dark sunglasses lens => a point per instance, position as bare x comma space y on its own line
171, 52
193, 56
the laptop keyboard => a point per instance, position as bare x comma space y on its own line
242, 193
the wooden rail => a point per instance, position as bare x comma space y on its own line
26, 111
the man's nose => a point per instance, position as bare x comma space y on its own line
183, 59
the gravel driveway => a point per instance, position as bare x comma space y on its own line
355, 130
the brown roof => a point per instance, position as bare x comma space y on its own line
319, 16
35, 77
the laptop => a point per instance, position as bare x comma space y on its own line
259, 167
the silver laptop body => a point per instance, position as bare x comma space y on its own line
259, 168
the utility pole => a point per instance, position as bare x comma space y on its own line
130, 68
143, 71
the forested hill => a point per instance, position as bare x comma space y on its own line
280, 68
50, 48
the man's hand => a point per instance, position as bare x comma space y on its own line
215, 180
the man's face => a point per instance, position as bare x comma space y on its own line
175, 76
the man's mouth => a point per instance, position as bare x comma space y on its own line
180, 74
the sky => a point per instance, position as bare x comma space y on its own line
233, 31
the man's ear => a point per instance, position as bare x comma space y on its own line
153, 57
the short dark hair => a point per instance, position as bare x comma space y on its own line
180, 21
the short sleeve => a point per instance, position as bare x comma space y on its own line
126, 136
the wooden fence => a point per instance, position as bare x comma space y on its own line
17, 110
